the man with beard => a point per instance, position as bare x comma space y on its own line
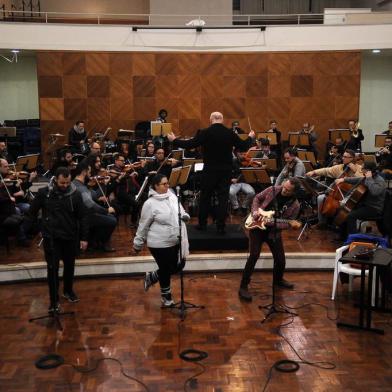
64, 228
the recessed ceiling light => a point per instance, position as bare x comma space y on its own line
15, 50
376, 51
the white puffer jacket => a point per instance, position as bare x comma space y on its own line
158, 223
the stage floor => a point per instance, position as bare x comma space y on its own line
116, 319
315, 241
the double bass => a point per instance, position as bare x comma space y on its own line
342, 199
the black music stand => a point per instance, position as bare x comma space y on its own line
378, 258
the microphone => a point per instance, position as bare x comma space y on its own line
50, 187
178, 191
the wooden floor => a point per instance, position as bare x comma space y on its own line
115, 318
313, 241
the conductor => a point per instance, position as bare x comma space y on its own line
217, 143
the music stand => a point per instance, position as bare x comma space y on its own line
298, 139
307, 156
26, 162
269, 162
271, 136
177, 154
179, 176
379, 140
191, 161
125, 134
255, 176
308, 166
345, 134
160, 129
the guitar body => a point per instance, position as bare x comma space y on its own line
265, 216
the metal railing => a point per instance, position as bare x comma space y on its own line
156, 20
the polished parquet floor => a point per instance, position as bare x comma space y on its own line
312, 241
115, 318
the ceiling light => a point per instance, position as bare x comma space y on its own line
15, 50
376, 51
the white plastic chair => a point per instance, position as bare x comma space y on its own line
351, 271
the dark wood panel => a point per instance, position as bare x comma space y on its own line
75, 109
98, 86
301, 86
97, 63
74, 63
50, 86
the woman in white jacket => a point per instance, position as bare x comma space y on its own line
158, 226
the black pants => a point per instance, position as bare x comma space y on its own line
60, 250
167, 260
13, 225
361, 213
256, 239
101, 227
214, 180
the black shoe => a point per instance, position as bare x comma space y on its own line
284, 284
107, 248
244, 294
201, 227
71, 297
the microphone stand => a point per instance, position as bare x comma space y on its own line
273, 307
182, 306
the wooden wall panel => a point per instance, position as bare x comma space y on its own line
121, 89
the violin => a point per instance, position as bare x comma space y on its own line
14, 175
93, 181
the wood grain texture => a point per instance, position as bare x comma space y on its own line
320, 87
116, 318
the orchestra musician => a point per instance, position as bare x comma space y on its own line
265, 149
348, 168
238, 184
282, 199
217, 142
162, 163
372, 204
10, 219
309, 130
65, 159
333, 157
235, 125
294, 167
389, 130
102, 221
3, 150
384, 158
95, 148
274, 129
64, 229
77, 137
356, 137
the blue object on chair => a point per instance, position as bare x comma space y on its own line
380, 241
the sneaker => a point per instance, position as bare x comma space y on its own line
284, 284
71, 297
167, 301
244, 294
148, 281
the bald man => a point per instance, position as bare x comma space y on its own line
217, 142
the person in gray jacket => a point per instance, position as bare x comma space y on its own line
294, 167
372, 203
158, 226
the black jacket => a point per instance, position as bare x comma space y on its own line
63, 214
217, 142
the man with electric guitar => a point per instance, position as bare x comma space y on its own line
273, 210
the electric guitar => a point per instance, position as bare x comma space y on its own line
267, 217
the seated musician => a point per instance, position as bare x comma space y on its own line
64, 159
77, 136
235, 125
101, 220
150, 150
371, 205
384, 158
347, 168
274, 129
10, 219
281, 199
22, 202
238, 184
356, 137
127, 187
309, 130
3, 150
294, 167
333, 157
389, 130
265, 150
164, 165
95, 148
